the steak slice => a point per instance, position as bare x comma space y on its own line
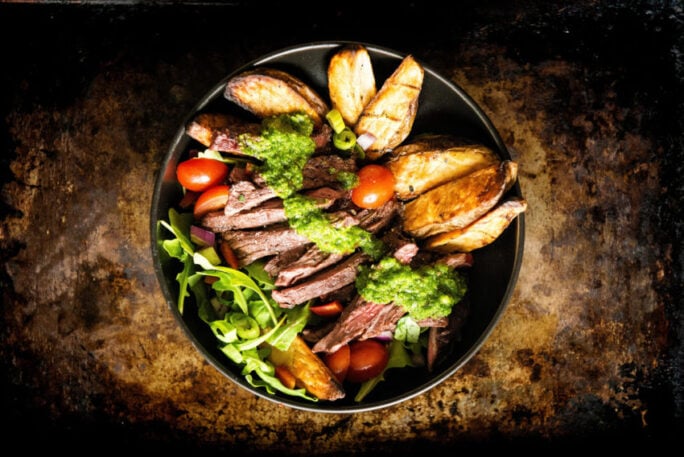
267, 213
353, 321
385, 321
251, 245
312, 261
280, 261
334, 278
245, 195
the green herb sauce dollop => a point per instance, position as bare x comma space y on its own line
284, 147
425, 292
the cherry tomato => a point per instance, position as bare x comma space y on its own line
199, 174
212, 199
367, 359
332, 308
338, 362
375, 187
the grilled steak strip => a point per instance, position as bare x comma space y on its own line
280, 261
353, 321
385, 320
312, 261
245, 195
324, 282
251, 245
267, 213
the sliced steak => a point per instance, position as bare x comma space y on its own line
280, 261
245, 195
312, 261
385, 321
322, 170
267, 213
251, 245
334, 278
457, 260
353, 321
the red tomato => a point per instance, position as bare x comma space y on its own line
367, 359
338, 362
199, 174
212, 199
332, 308
375, 187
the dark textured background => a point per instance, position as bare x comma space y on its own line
587, 96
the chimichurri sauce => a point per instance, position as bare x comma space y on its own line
284, 147
427, 291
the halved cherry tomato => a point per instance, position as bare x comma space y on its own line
200, 173
285, 376
338, 362
367, 359
212, 199
375, 187
332, 308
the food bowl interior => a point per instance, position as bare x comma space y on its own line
443, 108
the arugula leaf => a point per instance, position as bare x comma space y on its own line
239, 312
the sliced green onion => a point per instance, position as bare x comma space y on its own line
335, 120
344, 140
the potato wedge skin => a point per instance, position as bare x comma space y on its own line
460, 202
390, 114
481, 232
430, 162
269, 91
309, 370
351, 82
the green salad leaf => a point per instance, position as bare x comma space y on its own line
237, 307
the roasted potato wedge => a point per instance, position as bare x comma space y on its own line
389, 116
481, 232
351, 82
309, 370
420, 166
460, 202
269, 91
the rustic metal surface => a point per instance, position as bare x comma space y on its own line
587, 97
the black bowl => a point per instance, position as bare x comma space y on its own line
443, 108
